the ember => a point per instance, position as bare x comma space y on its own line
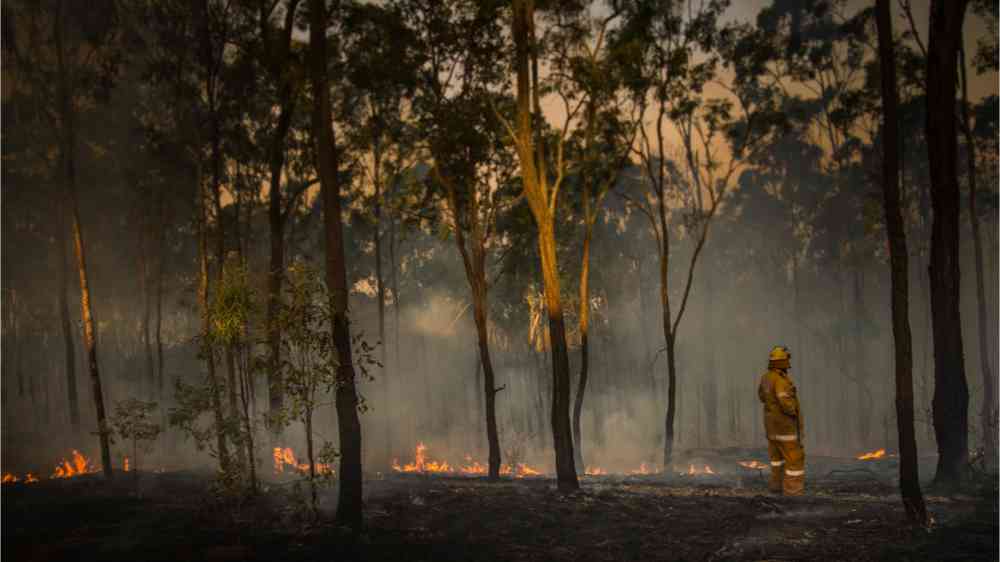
872, 455
80, 465
645, 469
125, 464
752, 464
694, 471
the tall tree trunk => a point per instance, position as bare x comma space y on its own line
541, 199
349, 426
909, 477
951, 392
988, 413
380, 295
489, 384
275, 386
581, 387
66, 324
67, 157
160, 249
143, 273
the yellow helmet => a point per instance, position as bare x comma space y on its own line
779, 358
778, 353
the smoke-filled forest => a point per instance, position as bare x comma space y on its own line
489, 280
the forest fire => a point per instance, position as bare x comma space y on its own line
125, 465
756, 465
79, 465
284, 456
595, 471
872, 455
422, 465
9, 478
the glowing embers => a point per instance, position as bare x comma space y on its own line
872, 455
595, 471
422, 464
125, 465
284, 456
79, 465
645, 470
755, 465
694, 471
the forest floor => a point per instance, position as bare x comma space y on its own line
848, 514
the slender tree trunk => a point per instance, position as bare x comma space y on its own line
909, 477
66, 324
584, 339
349, 504
380, 295
951, 392
160, 249
206, 320
489, 382
143, 273
68, 159
988, 413
276, 390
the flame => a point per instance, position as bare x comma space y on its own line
9, 478
644, 469
125, 465
692, 470
285, 456
30, 478
80, 465
595, 471
872, 455
472, 467
752, 464
423, 465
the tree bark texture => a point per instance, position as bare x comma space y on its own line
909, 476
349, 503
951, 392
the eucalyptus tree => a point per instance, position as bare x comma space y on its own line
584, 68
673, 54
70, 63
471, 166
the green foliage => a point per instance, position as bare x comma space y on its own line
232, 306
132, 421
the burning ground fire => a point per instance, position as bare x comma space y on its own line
872, 455
422, 465
78, 465
284, 456
756, 465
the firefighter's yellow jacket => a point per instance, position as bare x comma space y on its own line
782, 417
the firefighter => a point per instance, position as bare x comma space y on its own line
783, 423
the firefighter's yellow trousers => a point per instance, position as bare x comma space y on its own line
788, 465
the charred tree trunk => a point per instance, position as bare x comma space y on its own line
143, 273
67, 156
489, 382
66, 324
951, 392
160, 249
909, 476
988, 413
275, 386
349, 503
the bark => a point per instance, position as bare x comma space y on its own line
951, 392
581, 387
67, 155
349, 503
143, 272
541, 200
276, 390
66, 324
909, 477
380, 289
160, 249
988, 413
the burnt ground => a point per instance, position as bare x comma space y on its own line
854, 515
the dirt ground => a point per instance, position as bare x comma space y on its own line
852, 515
